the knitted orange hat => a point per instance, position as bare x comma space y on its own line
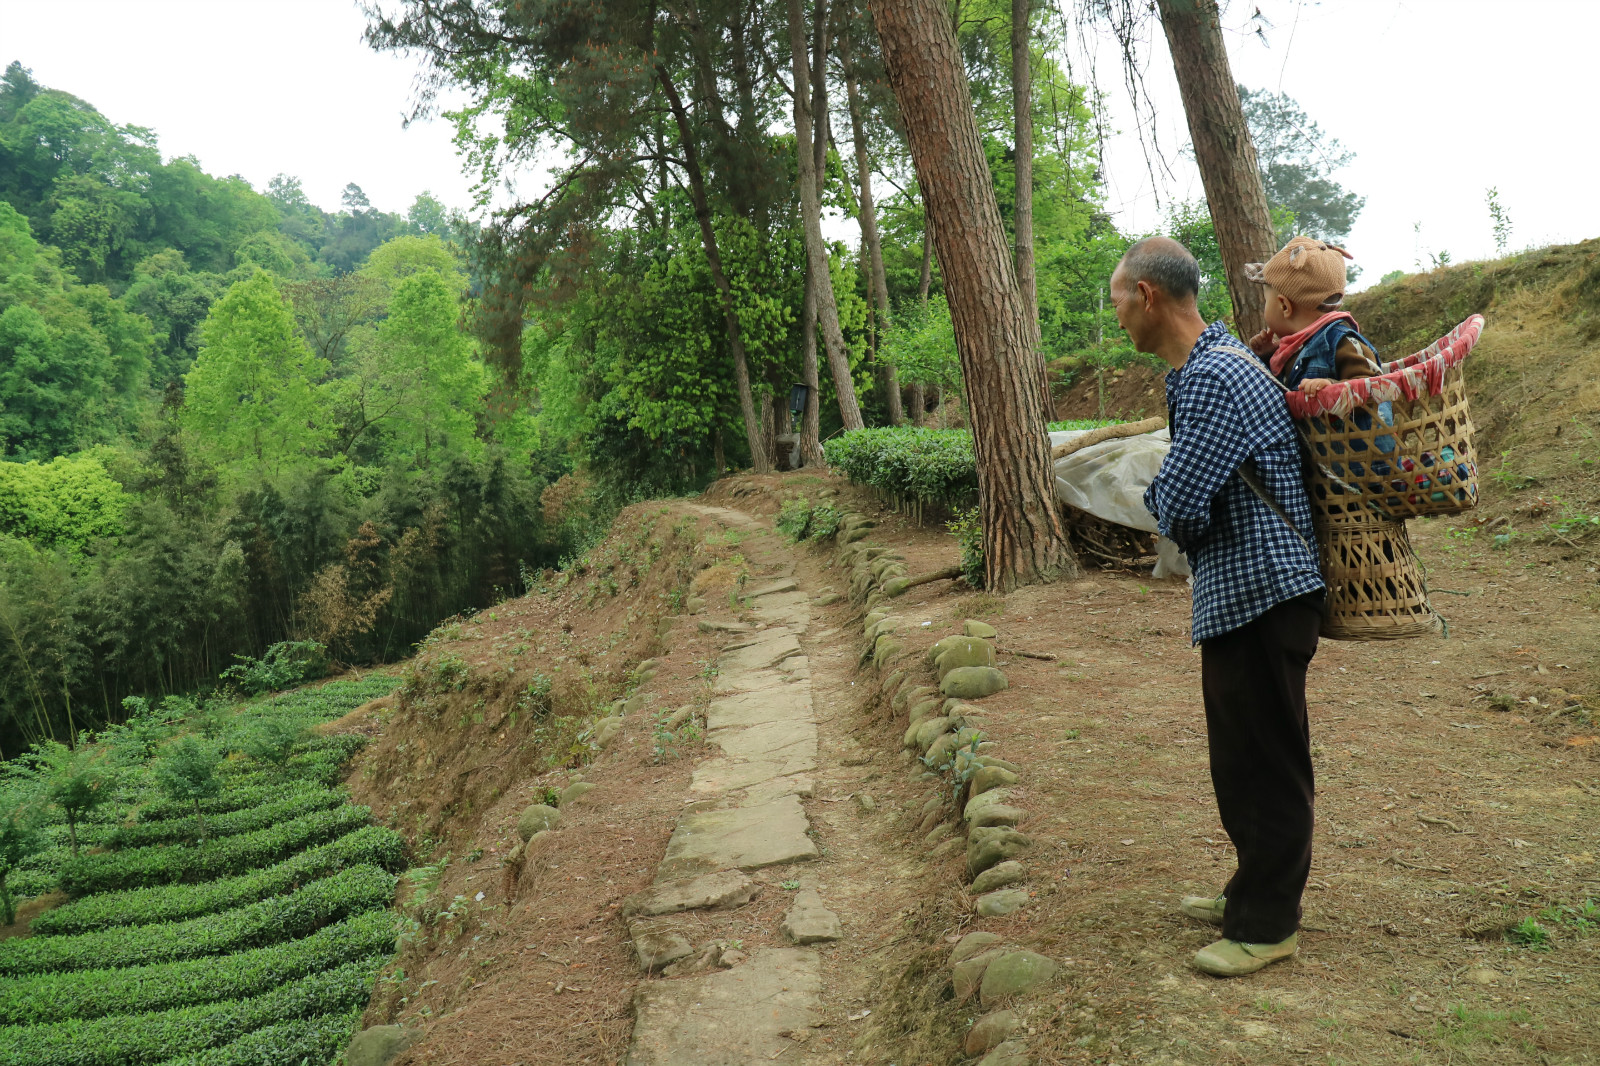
1308, 271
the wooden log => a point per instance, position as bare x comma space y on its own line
899, 585
1105, 433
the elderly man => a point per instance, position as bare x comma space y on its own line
1230, 495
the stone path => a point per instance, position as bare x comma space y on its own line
745, 814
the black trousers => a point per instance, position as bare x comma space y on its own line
1254, 681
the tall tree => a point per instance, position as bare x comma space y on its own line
997, 337
1223, 149
1022, 121
1297, 162
871, 244
809, 181
251, 400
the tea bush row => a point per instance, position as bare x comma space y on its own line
54, 997
293, 1043
234, 798
139, 1039
138, 867
246, 820
352, 891
368, 846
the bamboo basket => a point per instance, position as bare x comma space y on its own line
1376, 589
1395, 446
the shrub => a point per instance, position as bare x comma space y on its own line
134, 1040
243, 821
233, 798
19, 837
187, 773
270, 740
932, 465
967, 528
286, 663
291, 1043
370, 845
825, 521
794, 517
362, 888
54, 997
138, 867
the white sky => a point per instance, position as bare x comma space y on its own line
1439, 99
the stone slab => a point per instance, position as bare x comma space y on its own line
725, 888
789, 608
809, 920
785, 585
774, 704
768, 740
761, 655
717, 776
746, 838
730, 1018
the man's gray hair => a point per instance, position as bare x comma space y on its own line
1163, 263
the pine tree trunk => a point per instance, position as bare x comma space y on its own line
760, 461
1022, 119
1223, 149
926, 281
811, 420
877, 280
997, 338
919, 403
811, 215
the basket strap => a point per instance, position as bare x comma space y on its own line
1247, 474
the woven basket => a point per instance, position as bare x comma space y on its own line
1375, 584
1397, 445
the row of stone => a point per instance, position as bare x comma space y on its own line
946, 734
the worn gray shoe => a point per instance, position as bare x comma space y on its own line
1205, 908
1234, 958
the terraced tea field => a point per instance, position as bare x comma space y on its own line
247, 933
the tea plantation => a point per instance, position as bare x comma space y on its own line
227, 905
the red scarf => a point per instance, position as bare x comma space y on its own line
1288, 346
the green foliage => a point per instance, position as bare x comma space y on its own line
159, 1035
794, 518
367, 846
81, 994
284, 664
72, 359
825, 519
67, 503
250, 402
1530, 934
76, 781
21, 814
1501, 219
967, 528
1297, 163
138, 867
270, 741
187, 773
300, 913
921, 346
936, 466
298, 1042
171, 830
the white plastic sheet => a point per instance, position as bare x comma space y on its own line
1108, 480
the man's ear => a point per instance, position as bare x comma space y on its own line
1147, 296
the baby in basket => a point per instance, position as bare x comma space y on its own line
1309, 343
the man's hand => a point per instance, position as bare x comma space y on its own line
1264, 343
1312, 386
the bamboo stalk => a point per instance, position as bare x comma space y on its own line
1105, 433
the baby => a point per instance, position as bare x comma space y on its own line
1309, 343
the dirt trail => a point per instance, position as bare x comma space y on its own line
1458, 791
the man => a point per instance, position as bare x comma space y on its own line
1257, 595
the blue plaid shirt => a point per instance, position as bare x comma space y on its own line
1245, 558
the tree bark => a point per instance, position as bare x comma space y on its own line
877, 280
926, 281
811, 427
997, 338
1022, 119
760, 461
811, 216
1222, 147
